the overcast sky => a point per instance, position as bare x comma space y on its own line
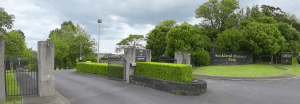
120, 18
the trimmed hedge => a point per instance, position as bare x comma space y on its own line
101, 69
116, 70
167, 71
94, 68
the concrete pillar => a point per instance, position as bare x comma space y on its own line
187, 57
46, 78
148, 55
178, 57
129, 55
183, 55
2, 72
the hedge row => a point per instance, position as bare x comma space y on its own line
167, 71
116, 70
100, 69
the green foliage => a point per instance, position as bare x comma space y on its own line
90, 57
130, 42
184, 38
156, 39
201, 57
94, 68
101, 69
103, 57
218, 16
116, 71
14, 43
292, 36
195, 78
69, 41
6, 21
262, 36
230, 40
167, 71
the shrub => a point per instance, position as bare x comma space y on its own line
167, 71
201, 57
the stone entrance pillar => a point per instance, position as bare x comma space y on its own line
46, 78
2, 72
129, 55
183, 55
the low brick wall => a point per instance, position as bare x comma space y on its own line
180, 88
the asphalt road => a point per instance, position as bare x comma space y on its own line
81, 88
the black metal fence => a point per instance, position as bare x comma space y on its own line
116, 67
166, 59
21, 75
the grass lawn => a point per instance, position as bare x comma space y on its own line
10, 81
248, 70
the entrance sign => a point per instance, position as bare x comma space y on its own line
230, 58
286, 58
140, 55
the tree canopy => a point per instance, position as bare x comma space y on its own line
132, 41
69, 41
156, 39
6, 21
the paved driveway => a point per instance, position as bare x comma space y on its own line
81, 88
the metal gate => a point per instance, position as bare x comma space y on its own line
166, 59
21, 75
116, 67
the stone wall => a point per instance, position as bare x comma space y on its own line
181, 88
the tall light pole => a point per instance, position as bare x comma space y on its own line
99, 21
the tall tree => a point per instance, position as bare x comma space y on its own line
6, 21
217, 16
130, 42
156, 39
184, 38
262, 36
68, 42
14, 43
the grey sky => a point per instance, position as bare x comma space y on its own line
36, 18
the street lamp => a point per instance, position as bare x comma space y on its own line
99, 21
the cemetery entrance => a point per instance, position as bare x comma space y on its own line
21, 75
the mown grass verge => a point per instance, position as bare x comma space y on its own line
249, 70
13, 89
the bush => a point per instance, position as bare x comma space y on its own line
166, 71
200, 57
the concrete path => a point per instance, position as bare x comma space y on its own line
82, 88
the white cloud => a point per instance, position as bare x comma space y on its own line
34, 21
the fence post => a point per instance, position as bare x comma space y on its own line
2, 72
46, 78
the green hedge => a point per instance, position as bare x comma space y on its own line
94, 68
101, 69
116, 70
167, 71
